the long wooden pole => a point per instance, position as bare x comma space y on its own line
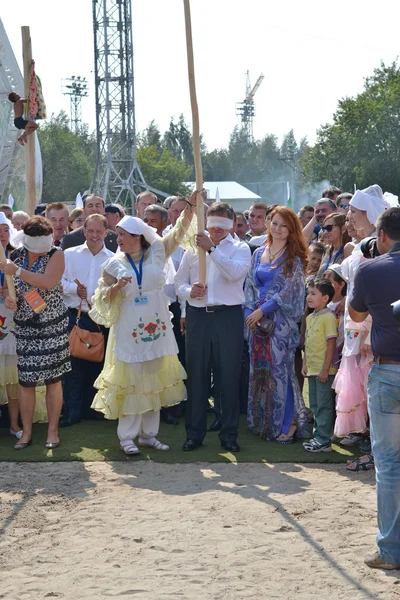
196, 139
9, 279
30, 162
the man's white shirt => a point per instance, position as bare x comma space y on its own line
82, 265
227, 267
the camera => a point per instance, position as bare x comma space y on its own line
369, 248
396, 310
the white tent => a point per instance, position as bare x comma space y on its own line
239, 197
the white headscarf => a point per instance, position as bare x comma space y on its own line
13, 231
138, 227
370, 200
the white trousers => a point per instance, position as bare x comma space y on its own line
145, 425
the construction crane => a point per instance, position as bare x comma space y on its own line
246, 109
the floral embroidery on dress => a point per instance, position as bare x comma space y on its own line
150, 332
3, 328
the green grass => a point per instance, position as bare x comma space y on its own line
97, 441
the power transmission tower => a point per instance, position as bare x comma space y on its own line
76, 88
118, 177
246, 109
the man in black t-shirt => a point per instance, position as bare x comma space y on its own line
376, 288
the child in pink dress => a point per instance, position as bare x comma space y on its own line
350, 382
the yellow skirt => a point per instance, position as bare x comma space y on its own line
135, 388
8, 377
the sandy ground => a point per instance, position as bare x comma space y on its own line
148, 531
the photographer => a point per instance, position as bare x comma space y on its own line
376, 288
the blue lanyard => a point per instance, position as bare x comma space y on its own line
34, 268
338, 253
138, 273
2, 274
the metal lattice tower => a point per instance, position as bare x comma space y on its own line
118, 177
246, 109
76, 88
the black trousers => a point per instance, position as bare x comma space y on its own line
78, 384
214, 340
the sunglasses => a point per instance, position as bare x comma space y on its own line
345, 206
328, 228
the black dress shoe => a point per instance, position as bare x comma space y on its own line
69, 422
169, 419
230, 446
216, 426
191, 445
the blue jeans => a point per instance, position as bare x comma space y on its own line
384, 413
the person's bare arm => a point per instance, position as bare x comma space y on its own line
43, 281
308, 230
357, 317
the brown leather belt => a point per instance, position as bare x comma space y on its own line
378, 360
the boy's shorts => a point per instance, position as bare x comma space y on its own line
20, 123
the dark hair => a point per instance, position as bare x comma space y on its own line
13, 96
89, 197
331, 191
317, 247
339, 219
221, 208
306, 208
259, 206
339, 279
36, 226
113, 209
324, 286
270, 209
56, 206
4, 207
389, 222
344, 196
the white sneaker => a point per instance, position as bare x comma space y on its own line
315, 446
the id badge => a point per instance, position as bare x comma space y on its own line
141, 300
35, 301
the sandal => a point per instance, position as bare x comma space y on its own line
361, 465
153, 443
287, 439
129, 447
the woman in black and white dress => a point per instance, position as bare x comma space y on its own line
41, 321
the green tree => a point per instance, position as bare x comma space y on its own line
68, 159
362, 145
162, 170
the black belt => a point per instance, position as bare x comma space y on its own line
378, 360
213, 308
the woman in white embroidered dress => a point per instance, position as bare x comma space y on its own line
141, 372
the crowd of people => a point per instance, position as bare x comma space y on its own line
112, 318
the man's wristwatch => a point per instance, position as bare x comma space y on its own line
18, 272
211, 250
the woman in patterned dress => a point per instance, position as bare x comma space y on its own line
41, 321
274, 290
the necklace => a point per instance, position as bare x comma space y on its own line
272, 257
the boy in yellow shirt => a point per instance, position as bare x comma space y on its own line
320, 346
